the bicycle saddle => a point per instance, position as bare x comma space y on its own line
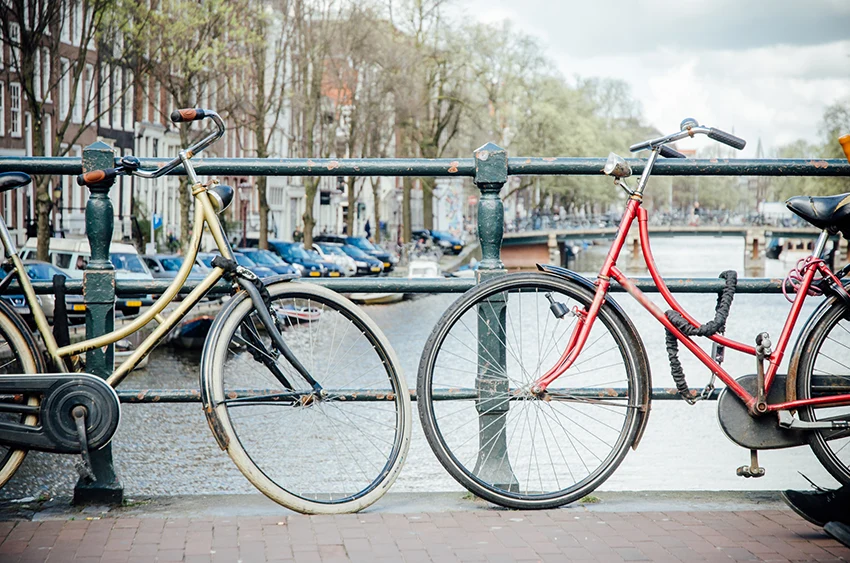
825, 212
12, 180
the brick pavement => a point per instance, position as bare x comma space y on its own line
489, 535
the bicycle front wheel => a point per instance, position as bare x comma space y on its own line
331, 452
823, 371
495, 437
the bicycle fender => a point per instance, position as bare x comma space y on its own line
814, 318
643, 369
210, 409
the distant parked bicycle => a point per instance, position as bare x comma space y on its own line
533, 386
316, 415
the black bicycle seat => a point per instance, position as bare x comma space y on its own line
12, 180
825, 212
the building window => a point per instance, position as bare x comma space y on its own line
15, 39
2, 47
15, 109
65, 23
117, 90
2, 110
45, 73
36, 75
90, 89
77, 9
104, 95
77, 116
64, 90
127, 102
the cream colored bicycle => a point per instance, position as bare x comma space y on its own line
315, 414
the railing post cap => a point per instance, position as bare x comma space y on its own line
491, 165
99, 146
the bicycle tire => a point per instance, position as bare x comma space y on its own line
824, 348
26, 359
304, 461
450, 438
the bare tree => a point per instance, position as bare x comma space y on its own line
60, 90
188, 46
262, 98
437, 71
310, 50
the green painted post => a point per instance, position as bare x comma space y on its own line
492, 386
99, 291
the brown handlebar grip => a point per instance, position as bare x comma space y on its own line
96, 176
187, 114
845, 144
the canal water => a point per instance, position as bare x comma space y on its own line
163, 449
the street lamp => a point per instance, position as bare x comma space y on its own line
244, 197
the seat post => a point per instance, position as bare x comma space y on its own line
820, 245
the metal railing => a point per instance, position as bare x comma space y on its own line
489, 169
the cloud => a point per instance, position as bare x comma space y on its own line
766, 69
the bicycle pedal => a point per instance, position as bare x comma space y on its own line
752, 470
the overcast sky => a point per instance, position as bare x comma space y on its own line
763, 69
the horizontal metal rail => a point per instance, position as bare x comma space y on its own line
420, 285
517, 166
139, 396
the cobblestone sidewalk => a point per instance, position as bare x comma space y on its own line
553, 535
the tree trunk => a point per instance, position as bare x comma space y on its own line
311, 185
427, 184
376, 200
407, 184
264, 212
352, 207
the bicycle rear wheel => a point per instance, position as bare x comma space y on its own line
490, 432
823, 370
334, 454
18, 354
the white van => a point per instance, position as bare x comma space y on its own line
72, 255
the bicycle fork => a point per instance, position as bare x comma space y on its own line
266, 319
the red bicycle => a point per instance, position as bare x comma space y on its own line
533, 386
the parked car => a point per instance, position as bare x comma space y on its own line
72, 255
206, 259
332, 252
388, 261
166, 266
270, 260
44, 271
366, 264
307, 263
446, 242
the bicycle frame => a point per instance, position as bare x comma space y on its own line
204, 214
609, 271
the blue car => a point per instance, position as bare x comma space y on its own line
294, 253
388, 261
446, 242
207, 257
270, 260
366, 264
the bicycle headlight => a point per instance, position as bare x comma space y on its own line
220, 196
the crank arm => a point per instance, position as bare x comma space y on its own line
788, 420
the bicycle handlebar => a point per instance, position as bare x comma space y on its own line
689, 130
188, 114
727, 138
97, 176
131, 166
667, 152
